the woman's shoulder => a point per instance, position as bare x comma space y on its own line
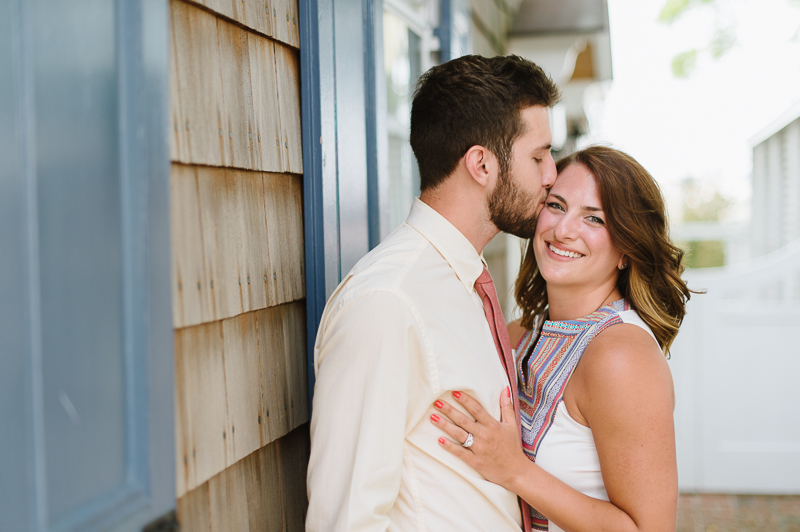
632, 317
625, 344
625, 357
515, 332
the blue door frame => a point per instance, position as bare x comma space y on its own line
342, 151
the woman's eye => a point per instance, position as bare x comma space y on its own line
596, 220
554, 205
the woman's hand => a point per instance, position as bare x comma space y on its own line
496, 451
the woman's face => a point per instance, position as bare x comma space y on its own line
572, 245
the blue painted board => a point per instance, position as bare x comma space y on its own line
85, 327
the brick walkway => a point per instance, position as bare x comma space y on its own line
738, 513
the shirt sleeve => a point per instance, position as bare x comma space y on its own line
361, 399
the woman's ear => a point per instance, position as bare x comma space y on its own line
481, 165
623, 263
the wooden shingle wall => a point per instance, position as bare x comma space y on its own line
242, 497
238, 281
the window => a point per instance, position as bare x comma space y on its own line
401, 50
409, 49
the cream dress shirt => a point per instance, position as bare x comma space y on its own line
403, 329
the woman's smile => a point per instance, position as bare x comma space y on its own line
563, 252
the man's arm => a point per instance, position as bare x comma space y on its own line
359, 413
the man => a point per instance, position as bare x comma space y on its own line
406, 327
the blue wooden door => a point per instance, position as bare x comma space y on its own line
85, 326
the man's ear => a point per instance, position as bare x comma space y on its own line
481, 165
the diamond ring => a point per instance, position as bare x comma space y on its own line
467, 444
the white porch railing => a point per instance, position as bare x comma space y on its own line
736, 365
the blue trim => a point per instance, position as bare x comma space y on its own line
445, 31
140, 30
133, 202
314, 229
153, 109
18, 489
372, 9
338, 233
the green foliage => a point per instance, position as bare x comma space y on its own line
709, 210
672, 10
723, 40
701, 203
703, 254
684, 64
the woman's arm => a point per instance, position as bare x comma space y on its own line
626, 396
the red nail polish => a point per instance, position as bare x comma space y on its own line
438, 404
435, 418
441, 440
457, 395
508, 391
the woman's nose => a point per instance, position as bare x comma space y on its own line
566, 228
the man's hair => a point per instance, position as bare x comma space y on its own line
470, 101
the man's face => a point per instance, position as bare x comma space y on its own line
517, 197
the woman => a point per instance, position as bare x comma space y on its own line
602, 300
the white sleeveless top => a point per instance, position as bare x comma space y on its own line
567, 450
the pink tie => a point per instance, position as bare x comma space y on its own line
491, 307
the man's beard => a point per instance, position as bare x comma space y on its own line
510, 207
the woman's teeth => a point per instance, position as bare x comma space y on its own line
563, 253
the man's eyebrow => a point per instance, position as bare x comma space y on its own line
585, 207
543, 147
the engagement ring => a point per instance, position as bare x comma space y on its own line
469, 441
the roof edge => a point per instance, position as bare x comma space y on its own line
781, 121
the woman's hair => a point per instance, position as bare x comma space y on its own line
637, 223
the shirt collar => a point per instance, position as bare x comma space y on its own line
451, 243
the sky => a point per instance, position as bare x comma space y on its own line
699, 127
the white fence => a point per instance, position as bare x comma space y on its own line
736, 365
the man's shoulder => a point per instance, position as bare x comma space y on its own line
403, 254
378, 285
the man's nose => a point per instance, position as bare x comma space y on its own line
549, 175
